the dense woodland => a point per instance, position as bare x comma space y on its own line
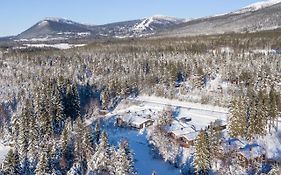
47, 97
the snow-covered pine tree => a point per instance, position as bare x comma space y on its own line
72, 103
100, 161
24, 128
64, 139
215, 137
238, 121
262, 113
124, 164
80, 147
56, 156
97, 135
43, 117
57, 112
33, 138
43, 165
254, 121
105, 99
272, 107
17, 164
79, 130
9, 163
201, 161
68, 146
89, 143
24, 136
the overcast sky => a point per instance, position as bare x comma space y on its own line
18, 15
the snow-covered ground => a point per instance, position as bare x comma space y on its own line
176, 103
145, 161
3, 152
58, 46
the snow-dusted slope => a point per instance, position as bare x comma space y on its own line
257, 6
260, 16
153, 22
54, 28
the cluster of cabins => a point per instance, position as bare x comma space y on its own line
185, 132
182, 130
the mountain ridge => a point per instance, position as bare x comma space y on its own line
264, 15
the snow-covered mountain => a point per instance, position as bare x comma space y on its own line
264, 15
51, 28
260, 16
60, 29
257, 6
156, 22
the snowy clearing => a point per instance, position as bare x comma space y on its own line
57, 46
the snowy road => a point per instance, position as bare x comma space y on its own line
186, 105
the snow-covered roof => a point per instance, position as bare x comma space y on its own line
191, 135
182, 131
134, 119
251, 151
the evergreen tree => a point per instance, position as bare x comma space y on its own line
238, 119
263, 111
89, 143
257, 117
17, 165
56, 156
100, 161
24, 129
33, 137
72, 103
43, 165
97, 132
215, 136
67, 150
201, 161
123, 160
272, 107
9, 164
105, 99
79, 129
57, 111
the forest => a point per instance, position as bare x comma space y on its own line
52, 100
